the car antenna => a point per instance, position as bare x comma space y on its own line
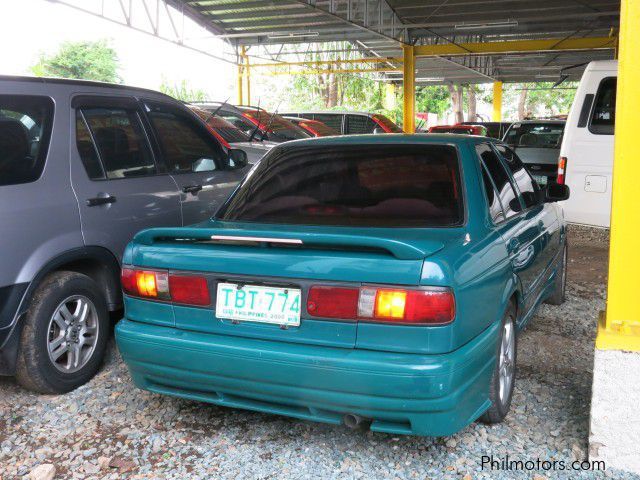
273, 115
253, 134
213, 114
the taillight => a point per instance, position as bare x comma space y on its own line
160, 285
431, 306
562, 170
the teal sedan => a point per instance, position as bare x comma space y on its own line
376, 281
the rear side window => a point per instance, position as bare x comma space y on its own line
526, 184
493, 200
87, 149
121, 142
354, 185
331, 120
357, 124
603, 117
186, 145
500, 177
25, 130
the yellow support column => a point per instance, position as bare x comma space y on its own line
619, 328
239, 83
409, 86
247, 72
497, 102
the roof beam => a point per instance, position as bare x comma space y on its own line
513, 46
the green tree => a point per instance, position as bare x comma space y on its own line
182, 91
83, 60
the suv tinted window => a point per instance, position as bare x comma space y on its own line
87, 149
25, 129
500, 177
528, 187
186, 145
121, 142
357, 124
359, 185
333, 120
603, 118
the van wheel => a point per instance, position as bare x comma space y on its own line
64, 335
560, 282
504, 372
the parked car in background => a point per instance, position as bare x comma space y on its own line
537, 143
586, 154
232, 137
313, 127
271, 126
460, 129
494, 129
352, 295
83, 167
351, 123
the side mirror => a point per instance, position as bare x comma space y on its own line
556, 192
377, 130
236, 159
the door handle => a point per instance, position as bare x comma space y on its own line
192, 189
94, 202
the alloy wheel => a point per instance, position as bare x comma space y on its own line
507, 364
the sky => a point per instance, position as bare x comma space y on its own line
29, 28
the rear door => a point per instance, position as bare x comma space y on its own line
194, 159
520, 232
120, 187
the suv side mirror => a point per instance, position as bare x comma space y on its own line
556, 192
236, 159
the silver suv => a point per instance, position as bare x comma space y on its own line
83, 167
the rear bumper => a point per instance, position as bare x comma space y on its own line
402, 393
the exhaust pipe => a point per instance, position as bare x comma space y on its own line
356, 422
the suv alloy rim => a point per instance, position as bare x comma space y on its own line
507, 361
72, 333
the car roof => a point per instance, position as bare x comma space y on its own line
335, 112
82, 83
389, 139
547, 121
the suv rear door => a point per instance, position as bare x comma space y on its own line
194, 159
120, 187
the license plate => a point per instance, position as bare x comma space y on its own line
540, 179
252, 303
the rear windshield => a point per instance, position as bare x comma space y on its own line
279, 129
386, 123
535, 135
352, 185
25, 128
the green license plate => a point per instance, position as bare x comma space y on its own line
252, 303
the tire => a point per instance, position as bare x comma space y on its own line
560, 282
500, 403
65, 334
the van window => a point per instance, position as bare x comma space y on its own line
352, 185
603, 118
121, 142
25, 129
500, 177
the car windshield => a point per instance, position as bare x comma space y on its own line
535, 135
240, 122
386, 123
318, 128
352, 185
280, 129
226, 129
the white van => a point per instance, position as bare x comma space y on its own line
586, 154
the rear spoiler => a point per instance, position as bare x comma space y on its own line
399, 249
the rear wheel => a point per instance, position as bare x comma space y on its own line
504, 373
64, 335
560, 282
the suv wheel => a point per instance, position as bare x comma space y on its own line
504, 373
64, 335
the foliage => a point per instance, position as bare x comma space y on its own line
82, 60
540, 99
182, 91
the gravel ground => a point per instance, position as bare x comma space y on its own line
108, 429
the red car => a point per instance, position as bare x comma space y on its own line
271, 126
460, 129
313, 127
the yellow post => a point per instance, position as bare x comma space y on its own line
239, 82
247, 72
619, 328
409, 87
497, 102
